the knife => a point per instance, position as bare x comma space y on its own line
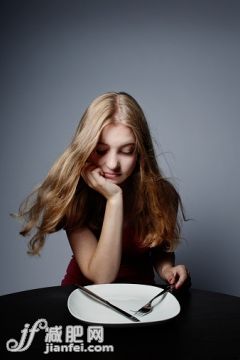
107, 303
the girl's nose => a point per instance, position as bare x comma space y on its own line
112, 161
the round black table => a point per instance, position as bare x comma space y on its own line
208, 327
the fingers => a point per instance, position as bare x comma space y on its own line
177, 275
170, 277
181, 277
91, 175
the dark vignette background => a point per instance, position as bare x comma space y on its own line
180, 60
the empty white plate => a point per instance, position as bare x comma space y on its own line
129, 297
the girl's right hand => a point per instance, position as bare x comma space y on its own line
94, 178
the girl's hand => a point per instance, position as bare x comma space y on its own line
94, 178
176, 275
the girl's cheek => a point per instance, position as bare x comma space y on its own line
93, 158
132, 161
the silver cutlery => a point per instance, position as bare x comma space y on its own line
148, 307
107, 303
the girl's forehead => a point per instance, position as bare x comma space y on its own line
117, 133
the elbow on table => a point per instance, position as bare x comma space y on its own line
103, 279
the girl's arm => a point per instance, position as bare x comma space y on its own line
99, 259
164, 264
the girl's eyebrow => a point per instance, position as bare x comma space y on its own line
122, 145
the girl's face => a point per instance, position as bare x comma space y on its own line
115, 153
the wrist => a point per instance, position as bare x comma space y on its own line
116, 198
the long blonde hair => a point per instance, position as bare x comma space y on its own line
63, 200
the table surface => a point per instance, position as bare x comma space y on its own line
208, 326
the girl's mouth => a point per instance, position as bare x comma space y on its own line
111, 175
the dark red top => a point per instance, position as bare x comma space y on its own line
136, 266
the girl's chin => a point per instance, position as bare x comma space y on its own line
117, 181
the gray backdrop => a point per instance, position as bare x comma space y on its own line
180, 60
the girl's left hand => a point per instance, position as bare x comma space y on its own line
176, 275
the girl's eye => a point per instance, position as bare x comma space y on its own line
128, 151
101, 151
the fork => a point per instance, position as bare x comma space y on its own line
148, 307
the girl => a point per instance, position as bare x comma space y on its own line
107, 191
